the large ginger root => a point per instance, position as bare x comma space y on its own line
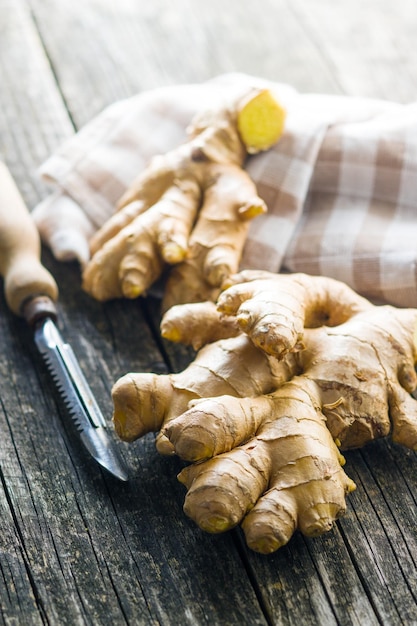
266, 455
190, 208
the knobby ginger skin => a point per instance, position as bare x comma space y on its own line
145, 402
361, 356
289, 475
262, 416
191, 208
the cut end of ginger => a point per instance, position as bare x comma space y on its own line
261, 121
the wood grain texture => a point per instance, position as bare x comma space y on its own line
77, 547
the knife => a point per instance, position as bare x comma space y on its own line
31, 292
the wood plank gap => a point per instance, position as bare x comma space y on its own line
242, 551
353, 557
25, 559
310, 34
51, 63
383, 495
359, 574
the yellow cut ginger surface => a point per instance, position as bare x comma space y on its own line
190, 209
312, 369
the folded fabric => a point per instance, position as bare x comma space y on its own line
340, 185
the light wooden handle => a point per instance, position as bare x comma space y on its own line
24, 275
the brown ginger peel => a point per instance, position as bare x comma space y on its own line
188, 329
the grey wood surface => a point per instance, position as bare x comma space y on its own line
76, 546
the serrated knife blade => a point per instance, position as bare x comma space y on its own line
77, 396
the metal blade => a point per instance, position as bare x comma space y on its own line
76, 393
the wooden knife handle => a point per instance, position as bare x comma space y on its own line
24, 275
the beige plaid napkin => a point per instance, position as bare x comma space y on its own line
341, 184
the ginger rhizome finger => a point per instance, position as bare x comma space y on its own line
201, 325
191, 208
275, 309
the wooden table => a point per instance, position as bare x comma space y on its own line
76, 546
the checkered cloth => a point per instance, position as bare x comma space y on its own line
340, 186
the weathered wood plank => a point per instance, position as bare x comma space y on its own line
383, 543
369, 47
32, 119
314, 580
115, 49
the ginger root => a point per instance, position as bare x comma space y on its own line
266, 455
190, 208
